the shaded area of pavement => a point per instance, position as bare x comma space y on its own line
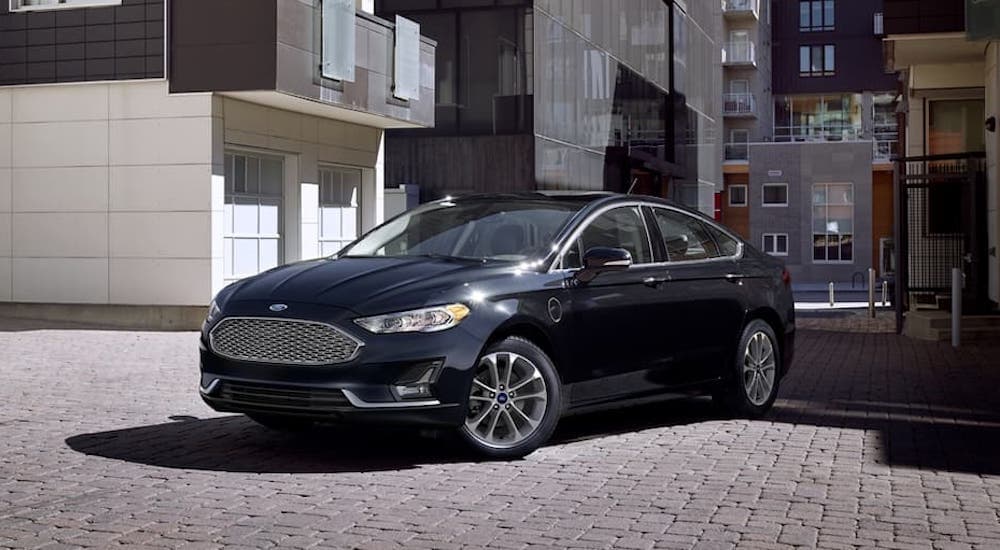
876, 441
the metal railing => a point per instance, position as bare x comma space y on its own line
739, 104
739, 53
737, 151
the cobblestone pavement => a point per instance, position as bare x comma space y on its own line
847, 320
877, 441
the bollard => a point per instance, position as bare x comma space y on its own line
956, 307
871, 293
885, 293
832, 302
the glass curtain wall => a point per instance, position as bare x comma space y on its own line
601, 92
483, 65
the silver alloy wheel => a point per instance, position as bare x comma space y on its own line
759, 368
507, 402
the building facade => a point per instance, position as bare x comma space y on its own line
828, 97
563, 95
949, 61
152, 152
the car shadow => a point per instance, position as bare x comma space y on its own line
237, 444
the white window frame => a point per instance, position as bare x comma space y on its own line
774, 240
280, 237
763, 195
854, 229
746, 195
18, 5
327, 167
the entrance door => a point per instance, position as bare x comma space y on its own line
252, 218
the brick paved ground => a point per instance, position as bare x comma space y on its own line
877, 441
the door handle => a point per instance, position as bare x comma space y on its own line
735, 278
654, 282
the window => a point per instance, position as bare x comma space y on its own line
252, 214
339, 199
817, 60
686, 238
776, 244
27, 5
737, 195
818, 117
816, 15
775, 195
833, 222
617, 228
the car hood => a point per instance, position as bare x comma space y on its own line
365, 285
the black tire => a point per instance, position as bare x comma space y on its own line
735, 395
548, 416
280, 423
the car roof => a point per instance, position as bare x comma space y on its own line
581, 198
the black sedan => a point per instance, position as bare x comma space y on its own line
495, 315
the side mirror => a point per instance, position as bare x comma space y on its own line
602, 259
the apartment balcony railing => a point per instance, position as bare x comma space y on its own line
740, 53
739, 105
739, 9
738, 151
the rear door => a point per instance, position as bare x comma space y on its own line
704, 295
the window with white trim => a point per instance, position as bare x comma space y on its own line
339, 206
252, 214
833, 223
774, 195
28, 5
738, 195
776, 244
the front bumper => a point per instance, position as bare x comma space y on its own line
364, 389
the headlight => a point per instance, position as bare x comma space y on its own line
213, 314
432, 319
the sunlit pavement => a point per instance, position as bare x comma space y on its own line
877, 441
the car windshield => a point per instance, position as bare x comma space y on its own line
506, 230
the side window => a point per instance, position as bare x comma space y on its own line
685, 237
618, 228
727, 245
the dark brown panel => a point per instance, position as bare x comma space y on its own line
71, 45
924, 16
859, 56
222, 45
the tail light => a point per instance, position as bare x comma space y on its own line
786, 277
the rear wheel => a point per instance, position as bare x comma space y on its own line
753, 384
514, 401
281, 423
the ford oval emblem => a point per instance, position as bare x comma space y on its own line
278, 307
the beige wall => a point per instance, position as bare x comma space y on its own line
104, 194
112, 193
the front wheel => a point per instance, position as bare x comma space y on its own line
514, 400
753, 384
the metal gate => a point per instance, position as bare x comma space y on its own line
941, 224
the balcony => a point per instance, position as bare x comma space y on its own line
739, 54
741, 9
739, 105
739, 151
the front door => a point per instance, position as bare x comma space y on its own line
613, 319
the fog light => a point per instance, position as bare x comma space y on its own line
416, 382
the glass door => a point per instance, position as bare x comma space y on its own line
252, 218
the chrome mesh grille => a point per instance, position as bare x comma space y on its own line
282, 341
